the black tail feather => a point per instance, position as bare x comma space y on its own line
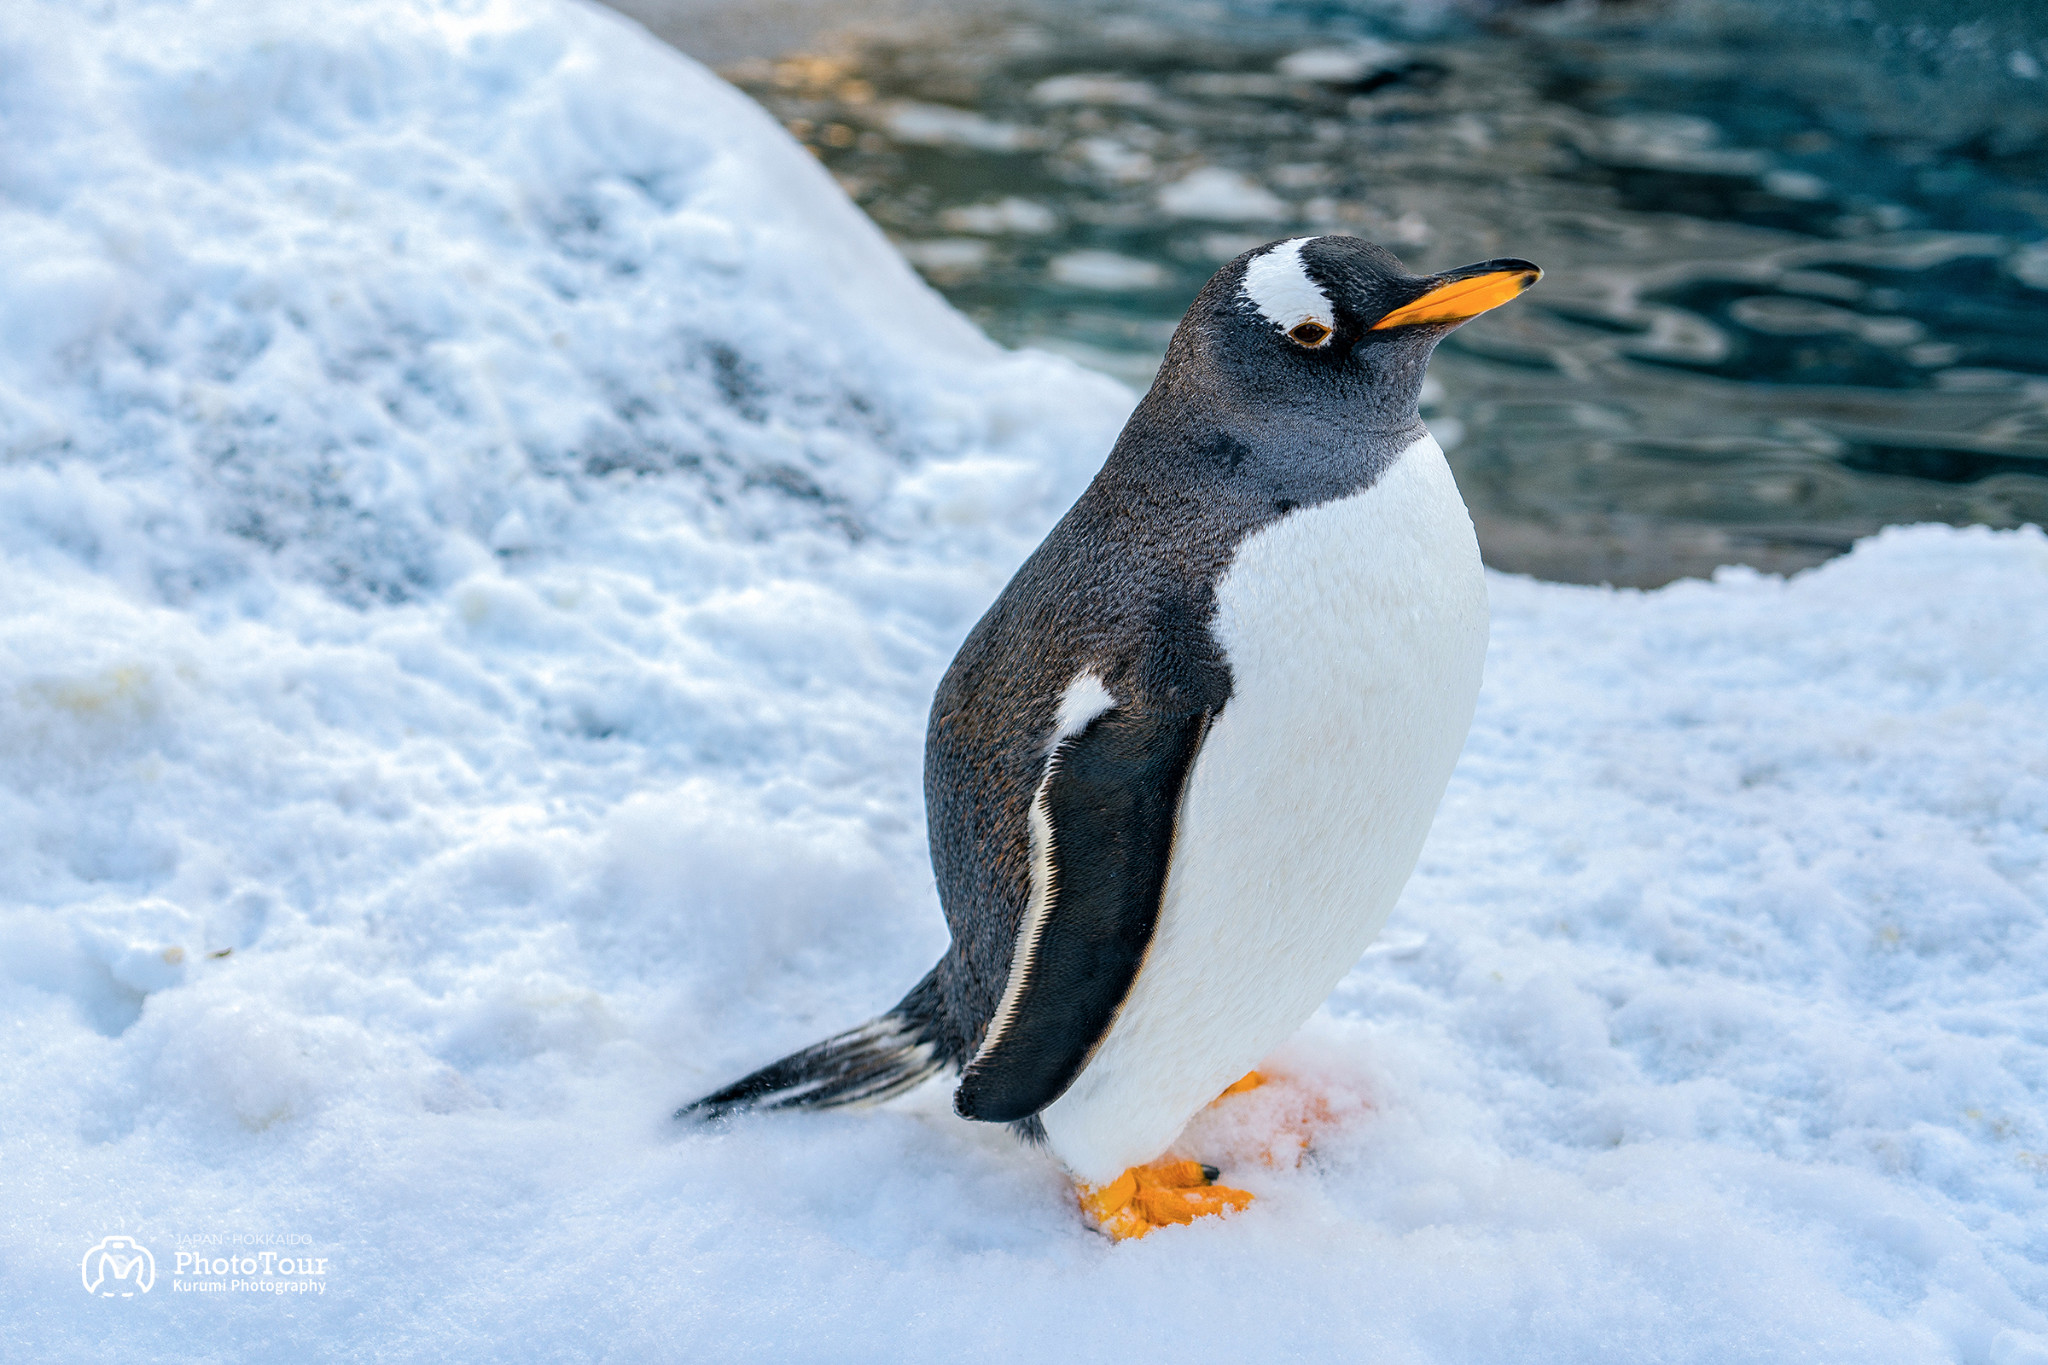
883, 1057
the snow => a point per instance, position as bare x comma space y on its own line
482, 516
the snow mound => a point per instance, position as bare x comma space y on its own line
376, 299
482, 517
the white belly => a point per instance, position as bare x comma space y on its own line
1355, 631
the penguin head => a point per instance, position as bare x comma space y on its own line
1322, 321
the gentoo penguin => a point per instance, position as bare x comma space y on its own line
1178, 774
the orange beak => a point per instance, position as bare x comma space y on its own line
1464, 298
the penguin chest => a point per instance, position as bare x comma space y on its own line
1355, 632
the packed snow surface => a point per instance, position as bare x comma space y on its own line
482, 518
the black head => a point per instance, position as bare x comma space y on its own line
1332, 326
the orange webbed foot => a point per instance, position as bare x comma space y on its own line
1251, 1080
1146, 1198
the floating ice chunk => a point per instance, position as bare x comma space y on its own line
946, 254
1222, 246
1006, 216
1115, 160
1107, 270
1223, 196
1341, 65
2029, 265
1092, 88
1797, 185
941, 125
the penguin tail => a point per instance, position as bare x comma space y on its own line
883, 1057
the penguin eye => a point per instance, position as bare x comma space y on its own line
1310, 334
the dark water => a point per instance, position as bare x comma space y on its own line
1797, 254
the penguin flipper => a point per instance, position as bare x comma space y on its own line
1108, 804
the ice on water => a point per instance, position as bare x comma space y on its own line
482, 516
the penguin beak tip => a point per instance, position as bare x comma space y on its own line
1467, 293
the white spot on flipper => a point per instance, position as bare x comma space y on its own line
1278, 284
1084, 700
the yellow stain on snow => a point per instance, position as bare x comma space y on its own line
126, 687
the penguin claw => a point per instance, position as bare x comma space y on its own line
1146, 1198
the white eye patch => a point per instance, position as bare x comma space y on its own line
1279, 285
